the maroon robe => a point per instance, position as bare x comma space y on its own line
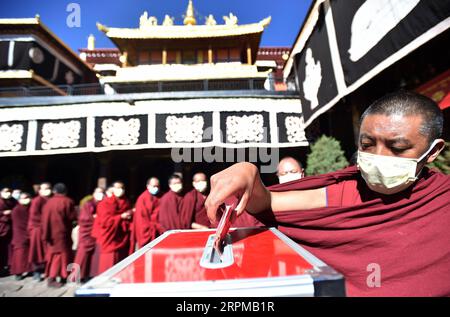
169, 212
5, 230
36, 256
193, 210
86, 242
56, 225
144, 226
111, 231
20, 240
405, 235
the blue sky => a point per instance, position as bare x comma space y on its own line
287, 16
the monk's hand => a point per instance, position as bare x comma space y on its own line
242, 181
7, 212
126, 215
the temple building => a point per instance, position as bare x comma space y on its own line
200, 95
32, 58
350, 53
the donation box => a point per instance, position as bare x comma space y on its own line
255, 262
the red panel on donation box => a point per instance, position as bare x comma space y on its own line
257, 253
262, 262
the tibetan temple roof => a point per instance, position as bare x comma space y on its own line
184, 31
190, 35
35, 26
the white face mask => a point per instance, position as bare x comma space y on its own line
153, 190
389, 174
6, 195
118, 192
16, 195
25, 201
200, 186
98, 196
289, 177
46, 192
176, 187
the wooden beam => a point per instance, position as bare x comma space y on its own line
164, 56
210, 55
249, 55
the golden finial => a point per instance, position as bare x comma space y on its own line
266, 21
102, 27
231, 19
189, 19
210, 20
168, 20
91, 42
147, 21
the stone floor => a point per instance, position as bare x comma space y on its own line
28, 287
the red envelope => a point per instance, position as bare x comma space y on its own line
228, 217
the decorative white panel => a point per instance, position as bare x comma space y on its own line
61, 135
120, 132
11, 137
184, 129
295, 129
245, 128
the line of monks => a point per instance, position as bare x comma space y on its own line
36, 233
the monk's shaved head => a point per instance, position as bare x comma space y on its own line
60, 188
289, 164
199, 177
45, 185
410, 104
153, 181
175, 179
99, 190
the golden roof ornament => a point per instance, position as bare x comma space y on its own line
91, 42
146, 21
168, 20
231, 19
189, 18
210, 20
102, 27
265, 23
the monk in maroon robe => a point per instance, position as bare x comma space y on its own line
20, 238
58, 216
383, 224
112, 227
86, 242
36, 257
144, 227
169, 216
289, 169
193, 211
7, 203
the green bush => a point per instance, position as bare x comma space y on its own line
326, 156
442, 162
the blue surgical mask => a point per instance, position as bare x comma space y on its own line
153, 190
16, 195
